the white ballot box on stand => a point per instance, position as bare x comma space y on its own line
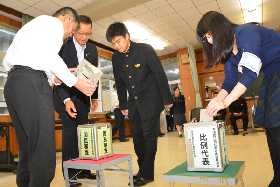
95, 141
206, 146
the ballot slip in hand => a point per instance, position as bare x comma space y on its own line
89, 71
204, 117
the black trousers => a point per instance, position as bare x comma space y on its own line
119, 124
169, 121
220, 118
145, 134
30, 103
233, 119
69, 131
273, 141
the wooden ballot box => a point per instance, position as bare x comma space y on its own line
206, 146
95, 141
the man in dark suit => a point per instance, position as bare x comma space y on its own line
138, 70
71, 104
238, 110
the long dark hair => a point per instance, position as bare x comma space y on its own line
222, 31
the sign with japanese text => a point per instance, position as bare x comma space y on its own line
206, 149
104, 141
223, 144
86, 142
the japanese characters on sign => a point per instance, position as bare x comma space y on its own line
216, 147
223, 145
87, 142
104, 141
204, 149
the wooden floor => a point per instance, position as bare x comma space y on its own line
251, 148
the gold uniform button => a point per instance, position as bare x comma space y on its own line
127, 66
129, 77
135, 97
126, 55
132, 86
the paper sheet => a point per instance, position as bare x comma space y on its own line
204, 117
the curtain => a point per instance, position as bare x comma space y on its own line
194, 74
25, 19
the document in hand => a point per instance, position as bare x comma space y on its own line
89, 71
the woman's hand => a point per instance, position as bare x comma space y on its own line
214, 107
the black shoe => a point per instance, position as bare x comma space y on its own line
141, 182
180, 135
75, 184
87, 175
235, 133
135, 176
124, 140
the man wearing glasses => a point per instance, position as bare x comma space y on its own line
72, 105
31, 61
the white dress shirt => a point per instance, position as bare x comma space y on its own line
115, 100
80, 55
36, 45
80, 50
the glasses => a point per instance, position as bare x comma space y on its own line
206, 36
84, 34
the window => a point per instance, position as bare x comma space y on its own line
6, 38
106, 83
173, 75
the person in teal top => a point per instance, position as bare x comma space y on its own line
249, 49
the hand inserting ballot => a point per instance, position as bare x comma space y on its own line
213, 107
86, 86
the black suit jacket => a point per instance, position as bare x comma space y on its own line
69, 55
139, 71
178, 107
239, 105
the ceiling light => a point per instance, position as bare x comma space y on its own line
253, 15
138, 33
153, 41
250, 4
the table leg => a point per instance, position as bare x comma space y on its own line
98, 178
102, 180
242, 183
66, 176
130, 173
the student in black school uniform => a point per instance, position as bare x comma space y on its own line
178, 110
238, 110
221, 114
137, 69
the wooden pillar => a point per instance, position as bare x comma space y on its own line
186, 82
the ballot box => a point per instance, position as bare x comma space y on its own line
206, 146
95, 141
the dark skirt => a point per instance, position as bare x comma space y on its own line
268, 108
179, 119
